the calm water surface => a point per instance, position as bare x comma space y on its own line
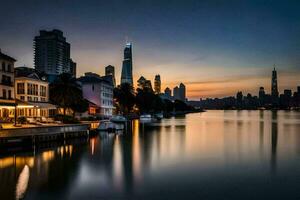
211, 155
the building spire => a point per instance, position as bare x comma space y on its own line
274, 67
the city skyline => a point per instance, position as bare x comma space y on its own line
229, 47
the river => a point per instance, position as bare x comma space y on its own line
210, 155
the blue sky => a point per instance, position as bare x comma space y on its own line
200, 43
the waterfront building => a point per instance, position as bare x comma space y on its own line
126, 76
182, 95
157, 84
52, 53
143, 83
32, 94
110, 71
7, 101
99, 92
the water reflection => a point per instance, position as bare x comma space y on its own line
22, 183
172, 159
274, 136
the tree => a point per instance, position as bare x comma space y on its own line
145, 98
168, 106
181, 106
124, 97
66, 93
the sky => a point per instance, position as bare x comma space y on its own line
215, 47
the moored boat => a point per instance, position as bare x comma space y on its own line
107, 125
159, 116
147, 118
118, 119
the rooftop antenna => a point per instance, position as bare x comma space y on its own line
274, 67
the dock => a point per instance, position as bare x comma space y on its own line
43, 133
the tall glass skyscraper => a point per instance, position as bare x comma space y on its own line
274, 84
126, 76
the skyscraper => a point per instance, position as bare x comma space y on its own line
110, 71
73, 68
274, 92
176, 93
143, 83
52, 53
182, 95
261, 93
157, 84
168, 92
126, 76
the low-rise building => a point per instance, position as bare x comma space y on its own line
32, 94
99, 92
7, 102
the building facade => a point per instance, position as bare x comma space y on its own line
99, 91
52, 53
126, 76
7, 102
157, 84
32, 94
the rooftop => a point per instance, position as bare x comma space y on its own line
6, 57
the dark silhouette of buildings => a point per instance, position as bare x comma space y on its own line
110, 71
126, 76
287, 100
52, 53
168, 92
73, 68
176, 93
157, 84
182, 91
274, 88
143, 83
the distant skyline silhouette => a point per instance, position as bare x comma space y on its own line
215, 47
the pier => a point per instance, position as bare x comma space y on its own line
43, 133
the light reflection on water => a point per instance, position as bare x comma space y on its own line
211, 155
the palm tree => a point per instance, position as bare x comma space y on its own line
66, 93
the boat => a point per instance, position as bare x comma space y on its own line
159, 116
118, 119
146, 118
108, 126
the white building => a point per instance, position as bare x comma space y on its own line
99, 91
7, 101
32, 91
